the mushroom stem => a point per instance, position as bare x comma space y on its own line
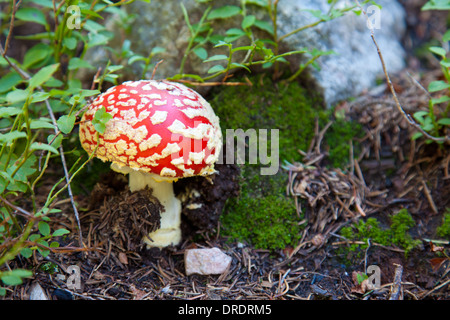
169, 232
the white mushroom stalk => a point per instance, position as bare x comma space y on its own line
160, 131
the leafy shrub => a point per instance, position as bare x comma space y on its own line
40, 102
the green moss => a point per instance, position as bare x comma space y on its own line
263, 215
291, 109
397, 234
338, 139
444, 229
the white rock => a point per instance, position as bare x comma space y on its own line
37, 293
206, 261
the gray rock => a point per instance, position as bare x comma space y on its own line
353, 68
37, 293
206, 261
356, 64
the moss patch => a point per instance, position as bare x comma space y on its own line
444, 229
397, 234
263, 215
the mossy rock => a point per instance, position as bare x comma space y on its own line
263, 214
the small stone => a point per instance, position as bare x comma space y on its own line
37, 293
206, 261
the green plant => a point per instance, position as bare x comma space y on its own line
244, 47
436, 121
370, 230
444, 229
436, 5
41, 99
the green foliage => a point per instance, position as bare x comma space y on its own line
255, 41
437, 5
370, 230
436, 121
41, 100
444, 229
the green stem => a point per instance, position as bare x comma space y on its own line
15, 250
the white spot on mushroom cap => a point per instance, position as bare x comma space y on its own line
159, 117
198, 132
153, 141
166, 172
123, 96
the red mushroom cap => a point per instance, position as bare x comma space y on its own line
158, 126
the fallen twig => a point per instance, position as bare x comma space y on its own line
396, 292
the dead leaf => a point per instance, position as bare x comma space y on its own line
435, 248
123, 258
137, 294
362, 283
436, 263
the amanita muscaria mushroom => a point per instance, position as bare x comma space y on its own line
160, 131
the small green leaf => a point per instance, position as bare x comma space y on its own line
224, 12
44, 252
444, 121
157, 50
14, 277
446, 36
439, 51
216, 58
248, 22
9, 111
9, 81
26, 252
43, 146
216, 68
264, 25
11, 280
66, 123
77, 63
416, 135
239, 65
136, 58
36, 55
55, 142
43, 75
201, 53
39, 96
440, 100
44, 228
233, 34
436, 5
31, 15
54, 244
70, 43
17, 96
41, 124
11, 136
420, 116
438, 85
360, 277
101, 117
60, 232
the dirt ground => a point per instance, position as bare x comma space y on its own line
389, 173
